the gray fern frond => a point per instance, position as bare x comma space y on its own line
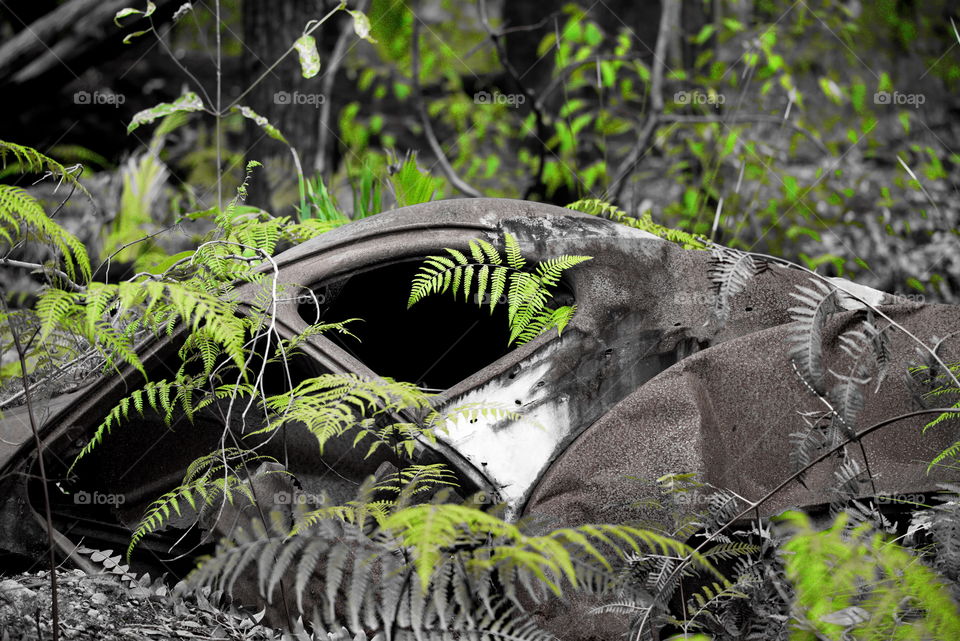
848, 480
805, 445
944, 527
722, 507
731, 271
817, 303
848, 401
367, 585
428, 570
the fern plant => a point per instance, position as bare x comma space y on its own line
428, 571
859, 585
489, 276
604, 209
940, 386
22, 218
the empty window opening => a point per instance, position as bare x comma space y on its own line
435, 344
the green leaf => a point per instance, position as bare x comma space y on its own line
361, 25
704, 34
127, 11
130, 36
306, 47
186, 103
123, 13
413, 186
262, 122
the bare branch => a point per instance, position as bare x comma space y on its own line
336, 59
669, 22
448, 170
46, 269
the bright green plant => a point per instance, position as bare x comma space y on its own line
527, 293
645, 223
855, 584
22, 218
428, 570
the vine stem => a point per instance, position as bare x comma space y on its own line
753, 505
54, 605
874, 308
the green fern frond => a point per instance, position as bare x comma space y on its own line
840, 569
486, 276
470, 412
331, 404
514, 257
162, 397
31, 160
22, 217
596, 207
951, 452
549, 271
290, 346
195, 308
208, 479
731, 550
428, 529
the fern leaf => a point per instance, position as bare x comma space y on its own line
817, 304
731, 271
514, 258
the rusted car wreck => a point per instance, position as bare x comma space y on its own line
647, 380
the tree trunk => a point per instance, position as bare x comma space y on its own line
290, 102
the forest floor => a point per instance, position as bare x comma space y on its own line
103, 607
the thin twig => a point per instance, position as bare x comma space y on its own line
668, 16
54, 605
448, 170
283, 56
182, 67
46, 269
108, 259
793, 477
632, 159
